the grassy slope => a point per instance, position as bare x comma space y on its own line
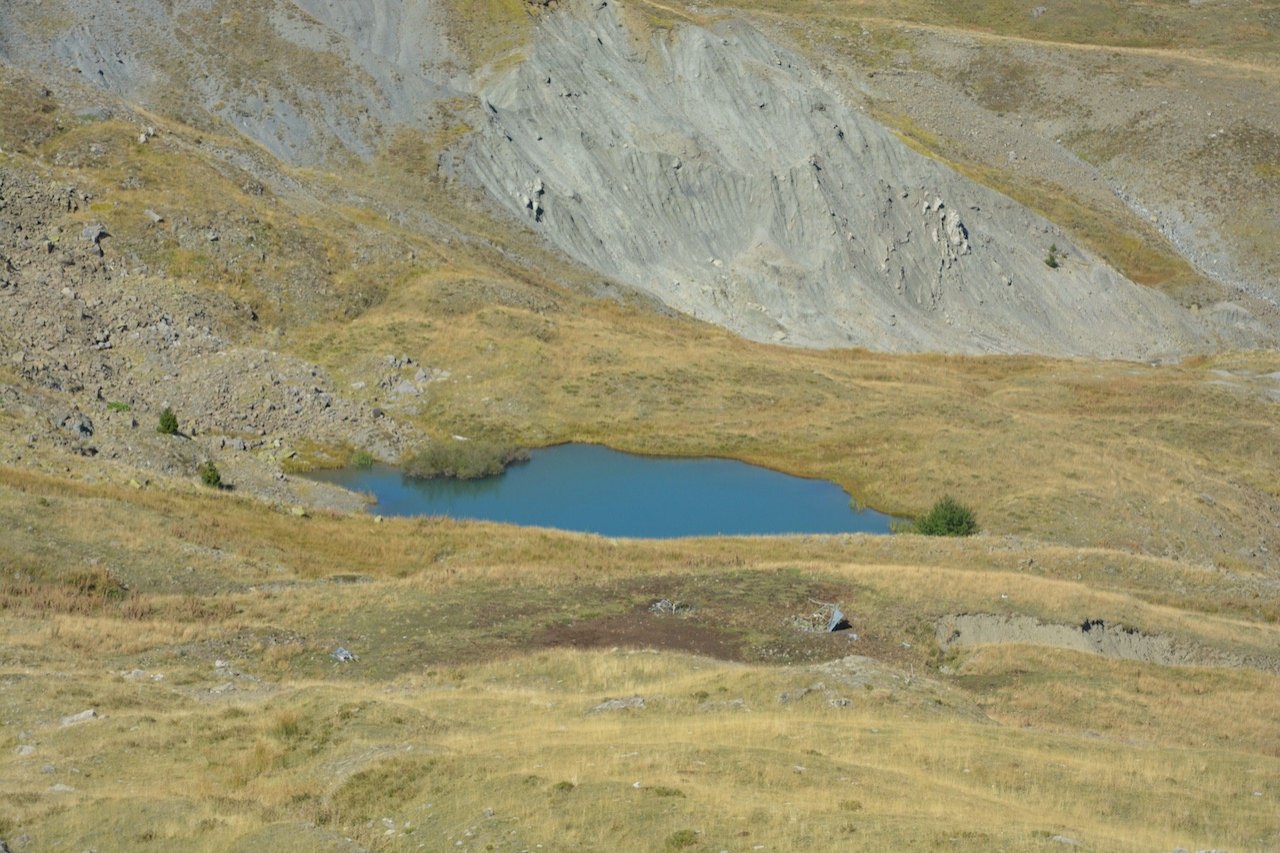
456, 706
1061, 449
1138, 478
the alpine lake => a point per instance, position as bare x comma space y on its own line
592, 489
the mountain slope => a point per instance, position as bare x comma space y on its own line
714, 170
710, 168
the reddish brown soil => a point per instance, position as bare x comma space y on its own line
644, 630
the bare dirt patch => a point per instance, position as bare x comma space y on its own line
1093, 636
644, 630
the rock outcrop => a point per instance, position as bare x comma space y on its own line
309, 80
713, 169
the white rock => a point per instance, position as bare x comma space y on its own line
82, 717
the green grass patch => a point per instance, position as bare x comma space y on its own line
463, 460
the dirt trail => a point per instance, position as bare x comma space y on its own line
999, 38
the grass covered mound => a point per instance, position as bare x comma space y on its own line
464, 460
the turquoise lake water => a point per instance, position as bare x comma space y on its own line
592, 489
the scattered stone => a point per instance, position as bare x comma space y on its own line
1065, 839
82, 717
77, 424
25, 750
60, 788
634, 702
94, 233
667, 606
341, 655
785, 698
826, 619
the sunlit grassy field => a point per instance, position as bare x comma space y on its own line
199, 626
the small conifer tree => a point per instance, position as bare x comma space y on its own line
210, 476
168, 422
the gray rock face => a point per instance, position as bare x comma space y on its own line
714, 170
307, 79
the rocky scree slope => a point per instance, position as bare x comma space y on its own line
713, 169
99, 348
309, 80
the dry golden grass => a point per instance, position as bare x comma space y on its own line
1214, 34
714, 751
1115, 491
457, 705
1061, 449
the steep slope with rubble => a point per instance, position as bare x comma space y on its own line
710, 168
713, 169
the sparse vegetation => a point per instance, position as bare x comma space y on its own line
361, 459
168, 423
947, 517
210, 476
464, 460
117, 406
681, 839
1051, 259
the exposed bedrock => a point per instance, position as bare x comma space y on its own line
715, 170
309, 80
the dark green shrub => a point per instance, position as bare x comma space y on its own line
1051, 261
465, 460
948, 517
168, 422
210, 476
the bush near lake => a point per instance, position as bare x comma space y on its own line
464, 460
948, 517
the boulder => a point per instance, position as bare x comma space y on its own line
82, 717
